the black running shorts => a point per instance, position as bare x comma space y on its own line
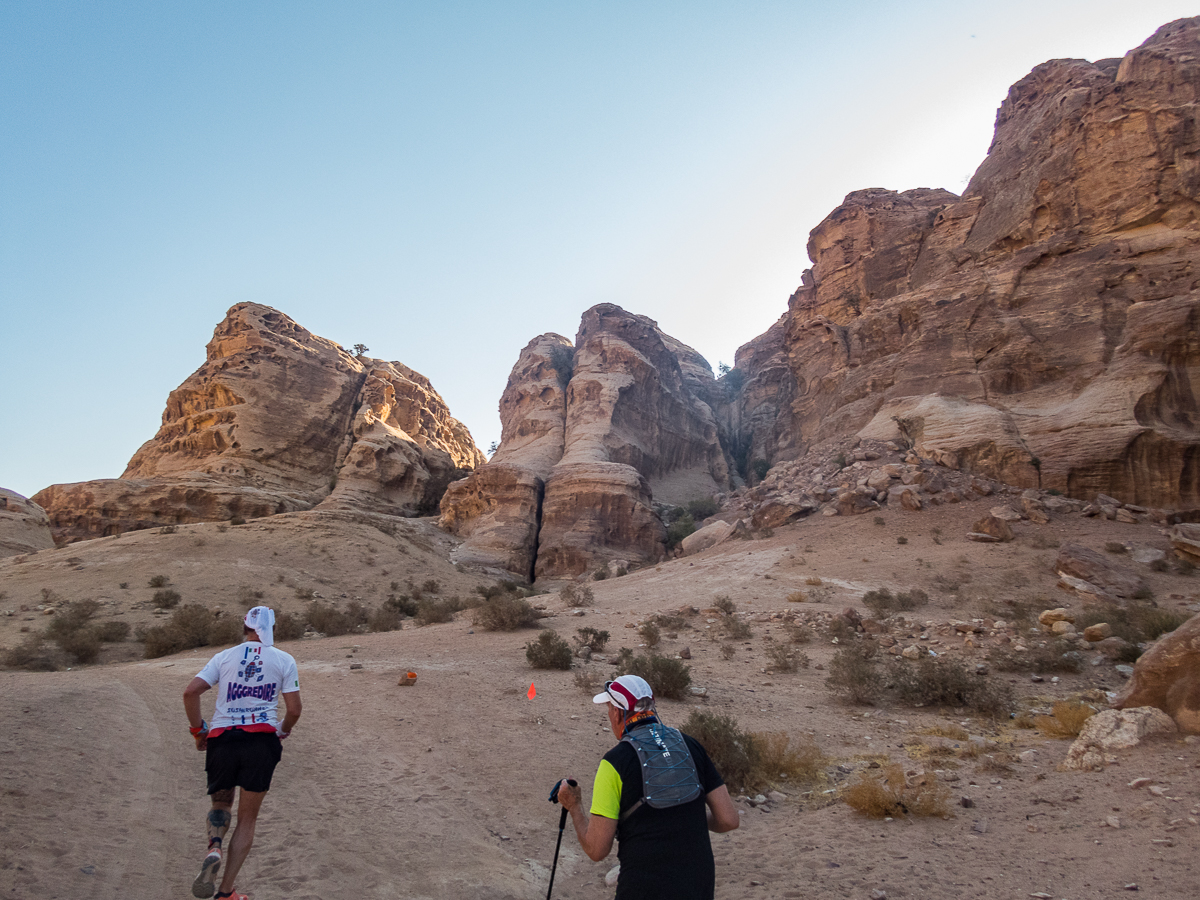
244, 759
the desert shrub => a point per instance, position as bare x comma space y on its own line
577, 595
431, 586
1053, 657
435, 612
679, 529
812, 580
1067, 719
777, 756
237, 520
588, 681
722, 603
385, 618
883, 602
1160, 565
841, 628
77, 615
946, 682
165, 599
1185, 567
157, 581
1156, 622
402, 604
190, 626
785, 657
726, 744
702, 508
667, 677
886, 792
112, 631
167, 529
31, 655
855, 676
879, 520
735, 629
549, 651
288, 627
728, 650
650, 634
902, 540
82, 644
797, 597
1134, 623
506, 613
670, 622
248, 595
591, 638
1115, 547
303, 593
1143, 593
329, 620
798, 632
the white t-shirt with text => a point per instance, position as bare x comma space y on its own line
250, 679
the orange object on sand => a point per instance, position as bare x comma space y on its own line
408, 678
532, 692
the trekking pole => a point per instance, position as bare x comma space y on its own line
562, 823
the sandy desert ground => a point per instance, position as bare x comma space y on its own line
438, 790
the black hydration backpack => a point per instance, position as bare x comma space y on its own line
669, 776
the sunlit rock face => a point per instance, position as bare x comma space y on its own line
24, 526
278, 419
593, 433
1042, 328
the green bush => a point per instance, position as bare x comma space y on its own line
506, 613
549, 651
785, 657
726, 744
592, 639
702, 508
165, 599
1134, 623
191, 626
946, 682
679, 529
329, 620
667, 677
288, 627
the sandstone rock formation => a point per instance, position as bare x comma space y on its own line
1040, 329
276, 420
592, 435
24, 526
1090, 573
1167, 676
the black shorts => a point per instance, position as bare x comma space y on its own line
244, 759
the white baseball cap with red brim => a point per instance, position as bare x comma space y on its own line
625, 692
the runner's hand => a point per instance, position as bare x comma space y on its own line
200, 735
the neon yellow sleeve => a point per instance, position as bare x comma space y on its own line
606, 792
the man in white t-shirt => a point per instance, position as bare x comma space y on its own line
244, 742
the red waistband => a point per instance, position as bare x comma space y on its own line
255, 728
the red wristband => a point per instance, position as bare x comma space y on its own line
203, 726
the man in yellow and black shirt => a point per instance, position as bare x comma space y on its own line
664, 851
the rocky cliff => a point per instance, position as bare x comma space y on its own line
1042, 328
278, 419
593, 434
24, 526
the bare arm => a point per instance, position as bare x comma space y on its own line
595, 833
722, 814
191, 700
292, 707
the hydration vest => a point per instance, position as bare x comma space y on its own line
669, 776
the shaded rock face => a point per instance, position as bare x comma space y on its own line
1040, 329
593, 434
24, 526
276, 420
1167, 676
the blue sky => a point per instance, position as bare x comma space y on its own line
442, 182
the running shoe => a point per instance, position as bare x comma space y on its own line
205, 884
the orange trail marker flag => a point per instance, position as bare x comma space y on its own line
532, 692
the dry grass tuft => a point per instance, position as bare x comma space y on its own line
952, 732
887, 792
1067, 719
